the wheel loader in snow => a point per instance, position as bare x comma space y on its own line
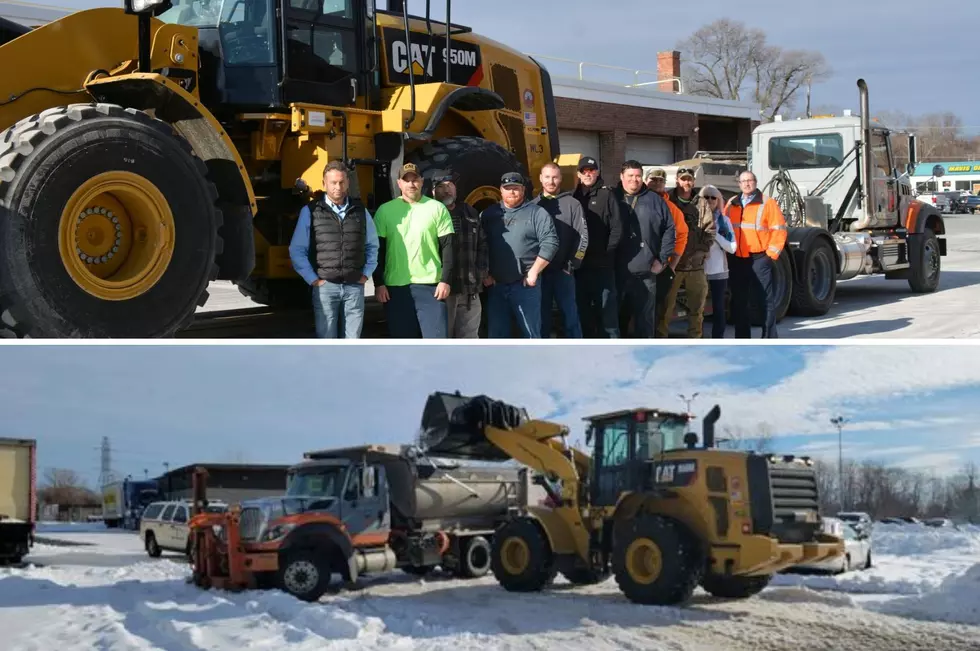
146, 151
650, 506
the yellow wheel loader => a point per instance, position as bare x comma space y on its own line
650, 505
148, 150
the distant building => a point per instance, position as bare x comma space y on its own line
227, 482
30, 14
958, 176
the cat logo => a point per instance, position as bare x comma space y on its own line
427, 60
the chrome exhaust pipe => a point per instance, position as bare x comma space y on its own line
867, 176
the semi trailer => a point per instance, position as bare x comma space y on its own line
356, 511
18, 498
123, 502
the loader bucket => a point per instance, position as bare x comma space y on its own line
452, 426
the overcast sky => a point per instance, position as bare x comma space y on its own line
911, 406
915, 56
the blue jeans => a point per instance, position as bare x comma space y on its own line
333, 302
413, 311
559, 287
505, 299
718, 321
596, 296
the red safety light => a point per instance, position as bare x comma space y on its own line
640, 416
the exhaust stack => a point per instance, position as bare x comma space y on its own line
867, 176
708, 427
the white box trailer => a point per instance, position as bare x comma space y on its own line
18, 497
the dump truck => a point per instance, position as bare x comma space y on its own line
850, 209
356, 511
18, 498
150, 149
649, 506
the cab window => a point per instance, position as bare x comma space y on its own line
152, 511
168, 513
180, 515
615, 444
804, 152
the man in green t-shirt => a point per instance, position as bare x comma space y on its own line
415, 260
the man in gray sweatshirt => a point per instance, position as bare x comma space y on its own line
522, 240
558, 281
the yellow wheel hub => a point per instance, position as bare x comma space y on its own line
483, 197
116, 236
515, 556
644, 561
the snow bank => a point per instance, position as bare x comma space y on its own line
912, 539
956, 600
73, 527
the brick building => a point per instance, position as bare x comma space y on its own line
650, 121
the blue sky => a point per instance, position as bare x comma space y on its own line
911, 406
915, 57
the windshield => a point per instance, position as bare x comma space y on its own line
245, 27
318, 482
657, 436
194, 13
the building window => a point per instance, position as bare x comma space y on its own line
805, 152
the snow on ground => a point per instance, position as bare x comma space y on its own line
73, 601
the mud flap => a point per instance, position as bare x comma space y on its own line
453, 426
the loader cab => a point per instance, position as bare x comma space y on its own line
625, 444
266, 54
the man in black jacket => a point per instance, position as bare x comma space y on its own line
558, 281
646, 246
595, 281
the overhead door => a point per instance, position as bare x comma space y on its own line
579, 142
650, 151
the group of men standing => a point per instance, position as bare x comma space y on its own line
611, 258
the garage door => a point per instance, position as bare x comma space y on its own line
650, 151
579, 142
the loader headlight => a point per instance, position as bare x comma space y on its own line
278, 531
153, 7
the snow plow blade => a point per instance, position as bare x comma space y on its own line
453, 426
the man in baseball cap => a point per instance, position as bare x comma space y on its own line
415, 262
522, 241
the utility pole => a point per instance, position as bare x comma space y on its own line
838, 422
105, 474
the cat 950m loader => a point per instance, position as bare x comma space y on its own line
147, 151
650, 506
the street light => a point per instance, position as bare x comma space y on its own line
838, 422
687, 400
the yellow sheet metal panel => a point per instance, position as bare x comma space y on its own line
15, 478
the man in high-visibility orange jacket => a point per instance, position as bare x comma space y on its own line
760, 238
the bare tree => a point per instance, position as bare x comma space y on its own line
728, 60
66, 487
736, 437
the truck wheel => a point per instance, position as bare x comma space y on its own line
655, 561
152, 547
522, 560
476, 163
304, 574
280, 292
925, 262
108, 225
782, 278
816, 279
734, 587
474, 559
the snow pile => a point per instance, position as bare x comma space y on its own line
912, 539
72, 527
956, 600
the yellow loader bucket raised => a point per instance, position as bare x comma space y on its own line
453, 426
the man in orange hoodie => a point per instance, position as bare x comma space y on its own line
656, 180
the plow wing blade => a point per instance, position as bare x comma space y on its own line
453, 426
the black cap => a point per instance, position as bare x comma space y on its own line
586, 162
512, 178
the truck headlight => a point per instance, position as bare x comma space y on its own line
278, 531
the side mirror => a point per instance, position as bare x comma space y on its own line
147, 7
910, 168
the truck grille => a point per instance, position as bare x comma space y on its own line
784, 499
250, 524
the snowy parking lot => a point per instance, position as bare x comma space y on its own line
86, 588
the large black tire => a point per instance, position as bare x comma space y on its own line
475, 162
640, 576
304, 573
925, 266
816, 279
474, 557
44, 158
522, 559
734, 587
283, 293
152, 547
